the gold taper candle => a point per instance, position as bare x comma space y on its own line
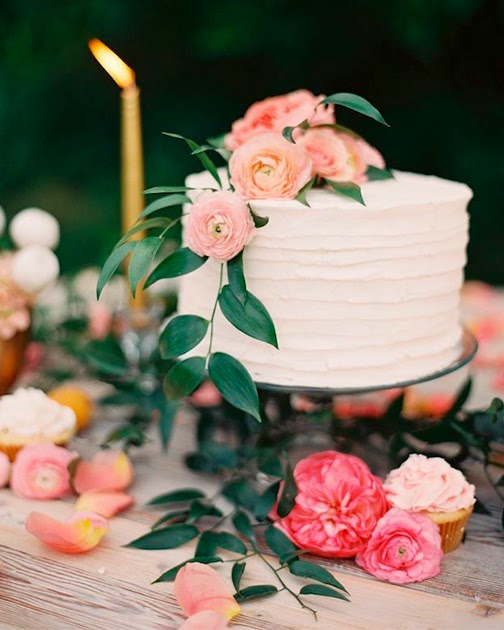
132, 169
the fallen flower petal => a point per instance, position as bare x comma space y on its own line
108, 470
198, 587
80, 533
205, 620
106, 504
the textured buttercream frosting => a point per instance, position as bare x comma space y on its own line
360, 295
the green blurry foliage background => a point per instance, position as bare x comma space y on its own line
435, 68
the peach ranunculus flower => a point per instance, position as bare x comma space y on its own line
275, 113
198, 587
108, 470
5, 470
102, 502
205, 620
337, 506
404, 548
80, 533
270, 167
219, 225
40, 471
327, 151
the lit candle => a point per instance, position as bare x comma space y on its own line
132, 173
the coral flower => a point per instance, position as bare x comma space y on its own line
198, 587
270, 167
106, 504
80, 533
219, 225
41, 472
275, 113
404, 548
337, 506
108, 470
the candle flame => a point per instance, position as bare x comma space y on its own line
122, 74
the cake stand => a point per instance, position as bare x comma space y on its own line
366, 433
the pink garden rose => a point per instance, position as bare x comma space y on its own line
41, 472
404, 548
219, 225
328, 152
337, 506
270, 167
277, 112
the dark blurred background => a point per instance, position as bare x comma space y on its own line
435, 68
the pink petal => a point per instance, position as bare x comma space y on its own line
107, 504
205, 620
108, 470
82, 532
198, 587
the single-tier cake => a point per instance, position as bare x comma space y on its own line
360, 295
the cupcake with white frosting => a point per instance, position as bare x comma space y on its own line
29, 416
431, 486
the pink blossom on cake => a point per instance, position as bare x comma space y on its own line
355, 167
219, 225
370, 155
327, 151
41, 472
277, 112
404, 548
14, 303
338, 505
270, 167
428, 484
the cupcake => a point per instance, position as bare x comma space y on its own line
29, 416
429, 485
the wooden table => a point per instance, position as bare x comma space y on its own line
110, 587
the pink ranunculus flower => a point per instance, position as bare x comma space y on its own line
338, 504
404, 548
5, 469
370, 155
219, 225
355, 167
41, 472
270, 167
275, 113
327, 151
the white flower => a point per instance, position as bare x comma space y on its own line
2, 220
34, 268
34, 226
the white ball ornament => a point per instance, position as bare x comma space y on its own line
34, 268
33, 226
2, 220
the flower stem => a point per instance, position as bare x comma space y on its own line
214, 310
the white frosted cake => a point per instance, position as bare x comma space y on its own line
360, 296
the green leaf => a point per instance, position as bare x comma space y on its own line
241, 493
157, 222
199, 509
356, 103
301, 196
204, 148
171, 574
347, 189
255, 592
176, 515
266, 501
314, 572
184, 377
105, 361
242, 524
234, 383
374, 173
177, 496
181, 334
228, 541
207, 544
166, 189
202, 157
288, 131
288, 497
236, 278
278, 542
325, 591
236, 574
112, 263
164, 202
220, 453
168, 413
141, 259
217, 141
250, 317
177, 264
259, 221
168, 538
